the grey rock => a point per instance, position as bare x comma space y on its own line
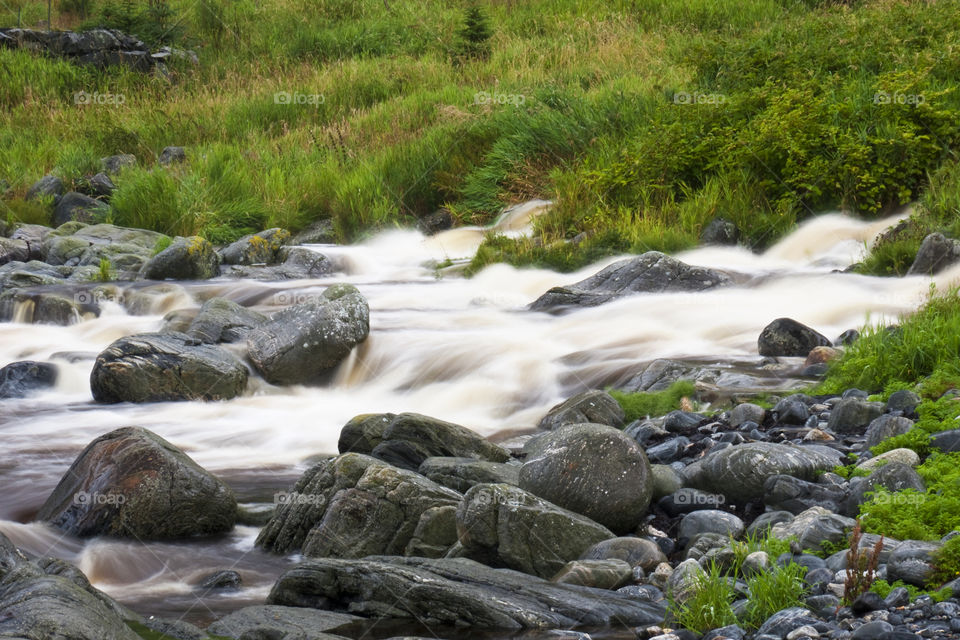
433, 223
227, 579
598, 574
275, 621
853, 415
875, 630
783, 622
39, 306
711, 521
19, 379
904, 401
304, 343
946, 440
185, 259
765, 521
815, 527
364, 432
687, 500
636, 552
157, 367
665, 480
353, 506
101, 185
597, 407
132, 483
76, 206
651, 272
172, 155
455, 592
746, 412
789, 411
739, 472
684, 583
13, 251
460, 474
257, 248
886, 426
795, 495
720, 231
503, 525
47, 186
113, 165
935, 254
787, 337
222, 320
594, 470
318, 232
912, 562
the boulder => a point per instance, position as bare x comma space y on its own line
304, 343
48, 186
652, 272
946, 440
780, 624
76, 206
903, 402
113, 165
907, 457
19, 379
853, 415
815, 527
913, 562
172, 155
599, 574
73, 244
720, 231
456, 592
13, 251
795, 495
746, 412
460, 474
636, 552
275, 621
886, 426
739, 472
157, 367
710, 521
100, 184
23, 275
597, 407
222, 320
787, 337
39, 306
256, 248
352, 506
594, 470
364, 432
292, 263
408, 439
935, 254
132, 483
185, 259
503, 525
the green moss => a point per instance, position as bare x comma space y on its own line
641, 405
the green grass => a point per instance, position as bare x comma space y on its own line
640, 405
591, 118
710, 606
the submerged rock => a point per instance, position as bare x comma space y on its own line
19, 379
787, 337
652, 272
132, 483
156, 367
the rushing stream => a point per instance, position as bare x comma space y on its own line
462, 350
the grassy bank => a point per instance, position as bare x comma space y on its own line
642, 119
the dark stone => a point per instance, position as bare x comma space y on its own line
894, 477
597, 407
101, 185
847, 338
685, 422
594, 470
688, 500
227, 579
876, 630
710, 521
935, 254
790, 412
946, 440
222, 320
47, 186
903, 401
912, 562
172, 155
720, 231
669, 451
649, 273
112, 165
269, 622
785, 621
157, 367
435, 222
19, 379
460, 474
816, 528
76, 206
886, 426
787, 337
455, 592
637, 552
867, 602
132, 483
185, 259
791, 494
852, 415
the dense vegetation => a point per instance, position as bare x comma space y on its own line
642, 120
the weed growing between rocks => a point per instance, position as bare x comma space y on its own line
861, 566
640, 405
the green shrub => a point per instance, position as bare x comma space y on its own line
711, 605
475, 34
946, 562
641, 404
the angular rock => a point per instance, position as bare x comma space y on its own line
597, 407
101, 185
912, 562
598, 574
76, 206
787, 337
132, 483
853, 415
256, 248
185, 259
436, 533
293, 263
13, 251
19, 379
739, 472
157, 367
503, 525
408, 439
652, 272
303, 344
594, 470
746, 412
172, 155
275, 621
795, 495
783, 622
222, 320
886, 426
352, 506
936, 253
814, 527
720, 231
456, 592
460, 474
636, 552
47, 186
113, 165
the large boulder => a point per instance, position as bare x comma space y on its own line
893, 477
935, 254
652, 272
76, 206
462, 473
913, 562
739, 472
19, 379
456, 592
222, 320
275, 621
304, 343
156, 367
408, 439
853, 415
352, 506
185, 259
787, 337
503, 525
256, 248
75, 244
132, 483
594, 470
816, 529
597, 407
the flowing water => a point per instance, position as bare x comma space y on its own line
462, 350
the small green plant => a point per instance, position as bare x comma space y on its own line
641, 405
771, 591
710, 606
946, 562
105, 272
162, 243
850, 471
475, 34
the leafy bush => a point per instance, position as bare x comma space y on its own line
946, 562
641, 405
